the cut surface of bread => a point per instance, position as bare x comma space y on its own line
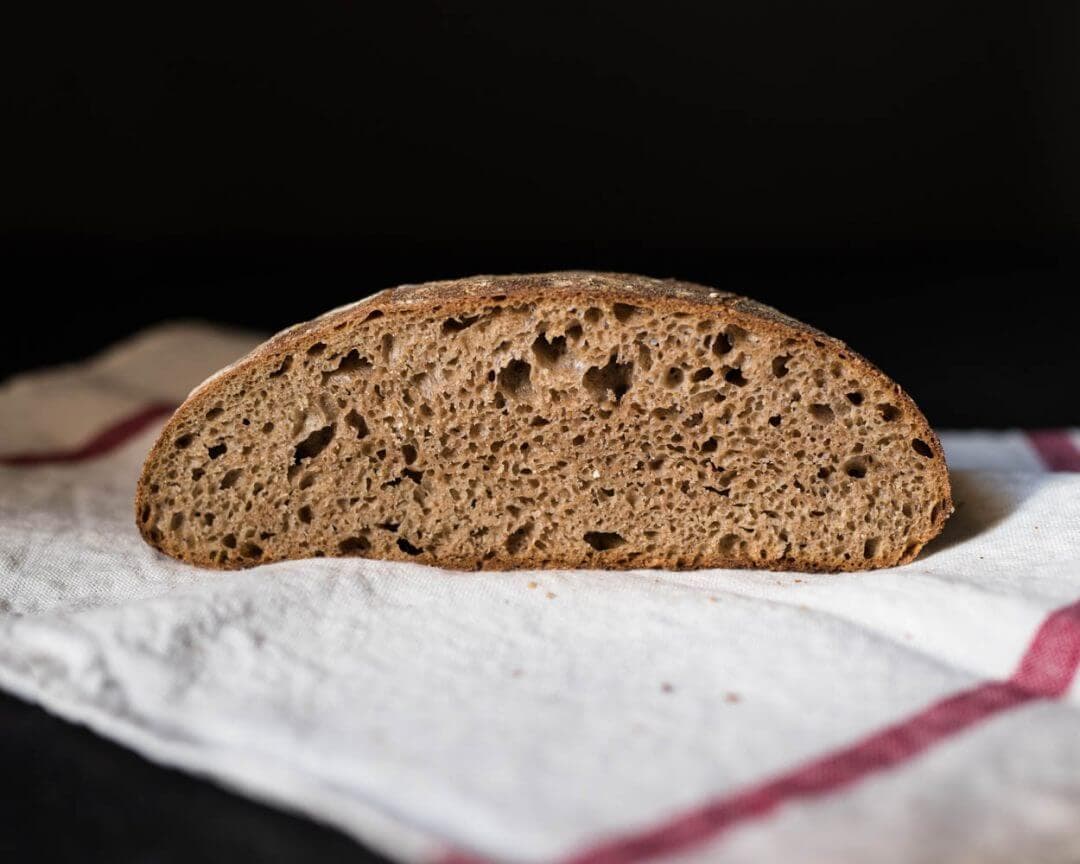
550, 420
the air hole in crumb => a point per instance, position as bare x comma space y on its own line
285, 366
889, 413
624, 311
727, 542
674, 377
709, 445
702, 374
145, 515
779, 365
870, 547
824, 473
856, 467
408, 451
230, 478
308, 480
229, 541
386, 347
721, 345
821, 413
456, 325
304, 514
613, 377
906, 510
176, 521
197, 474
267, 428
416, 476
645, 357
314, 444
316, 349
355, 421
855, 397
592, 314
774, 420
516, 541
351, 362
215, 412
372, 315
922, 448
184, 441
251, 550
216, 451
735, 376
602, 541
548, 353
514, 379
407, 547
578, 440
575, 332
353, 545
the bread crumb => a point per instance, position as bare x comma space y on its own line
732, 697
551, 596
531, 585
667, 688
668, 392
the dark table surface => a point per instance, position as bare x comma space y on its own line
69, 795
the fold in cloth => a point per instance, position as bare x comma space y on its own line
922, 713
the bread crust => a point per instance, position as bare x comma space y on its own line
461, 296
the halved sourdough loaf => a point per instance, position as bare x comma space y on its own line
551, 420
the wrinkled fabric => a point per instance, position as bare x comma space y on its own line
543, 715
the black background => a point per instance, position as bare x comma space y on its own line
903, 175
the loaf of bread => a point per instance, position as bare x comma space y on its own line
551, 420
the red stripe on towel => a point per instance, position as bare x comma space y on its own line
105, 441
1056, 449
1045, 672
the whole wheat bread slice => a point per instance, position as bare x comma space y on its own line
550, 420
